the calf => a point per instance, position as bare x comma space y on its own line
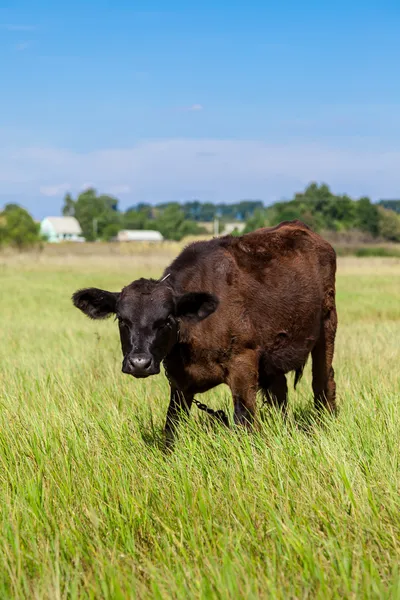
237, 310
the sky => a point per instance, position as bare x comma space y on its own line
166, 100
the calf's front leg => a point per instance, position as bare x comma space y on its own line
179, 405
243, 382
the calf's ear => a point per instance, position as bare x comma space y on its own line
95, 303
196, 306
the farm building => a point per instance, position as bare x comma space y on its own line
61, 229
138, 235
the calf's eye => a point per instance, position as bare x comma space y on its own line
168, 322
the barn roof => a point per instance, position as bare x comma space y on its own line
67, 225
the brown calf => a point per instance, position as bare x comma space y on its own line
237, 310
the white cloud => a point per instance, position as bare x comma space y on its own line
196, 107
54, 190
214, 170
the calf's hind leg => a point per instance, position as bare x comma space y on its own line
323, 375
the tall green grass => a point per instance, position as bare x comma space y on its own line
91, 507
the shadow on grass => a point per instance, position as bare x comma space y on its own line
154, 438
305, 419
151, 433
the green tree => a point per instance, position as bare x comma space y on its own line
17, 227
137, 218
319, 208
389, 224
257, 220
367, 216
193, 210
69, 206
295, 209
390, 205
341, 213
243, 210
206, 212
110, 231
173, 225
96, 214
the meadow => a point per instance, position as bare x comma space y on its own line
91, 506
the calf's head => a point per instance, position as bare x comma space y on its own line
148, 313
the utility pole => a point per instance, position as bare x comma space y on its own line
216, 226
95, 228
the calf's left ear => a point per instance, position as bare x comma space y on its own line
196, 306
95, 303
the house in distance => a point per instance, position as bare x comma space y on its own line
61, 229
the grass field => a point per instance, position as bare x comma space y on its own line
91, 507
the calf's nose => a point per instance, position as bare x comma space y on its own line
140, 361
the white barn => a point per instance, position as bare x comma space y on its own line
61, 229
139, 235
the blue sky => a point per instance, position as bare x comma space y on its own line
170, 100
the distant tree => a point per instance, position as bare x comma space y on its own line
389, 224
245, 209
17, 227
143, 208
295, 209
173, 225
367, 216
193, 210
9, 207
208, 212
256, 221
110, 231
95, 213
68, 209
390, 205
139, 218
341, 213
322, 210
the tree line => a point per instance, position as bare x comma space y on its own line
100, 218
317, 206
324, 211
